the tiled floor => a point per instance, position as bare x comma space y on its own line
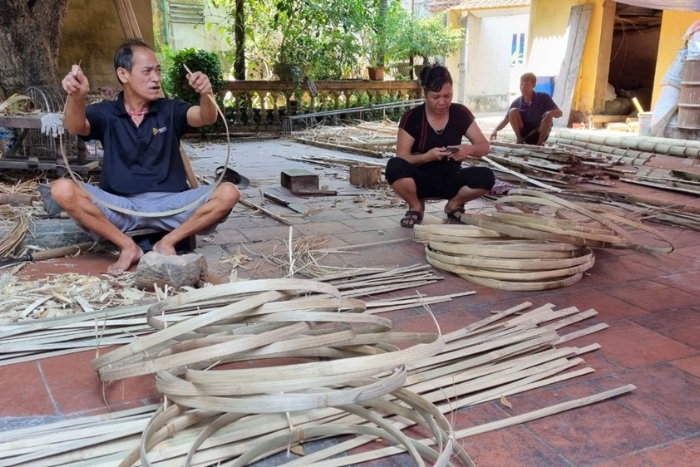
650, 302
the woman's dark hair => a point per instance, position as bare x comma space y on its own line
434, 77
124, 56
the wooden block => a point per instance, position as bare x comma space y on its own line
365, 176
299, 179
175, 271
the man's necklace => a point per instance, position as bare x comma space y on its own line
137, 114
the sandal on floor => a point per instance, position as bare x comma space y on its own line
411, 218
233, 177
452, 215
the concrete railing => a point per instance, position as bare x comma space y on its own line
263, 106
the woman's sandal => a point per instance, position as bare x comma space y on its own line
411, 218
452, 215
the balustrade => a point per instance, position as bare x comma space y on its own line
262, 106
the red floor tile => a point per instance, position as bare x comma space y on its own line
689, 365
684, 453
621, 269
593, 433
515, 446
75, 387
687, 281
673, 408
633, 460
652, 296
631, 346
23, 392
88, 264
609, 308
683, 259
680, 325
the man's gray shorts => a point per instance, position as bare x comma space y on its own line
151, 202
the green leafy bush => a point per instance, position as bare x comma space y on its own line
196, 60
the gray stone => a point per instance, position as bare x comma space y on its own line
51, 233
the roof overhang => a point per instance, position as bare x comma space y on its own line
682, 5
481, 7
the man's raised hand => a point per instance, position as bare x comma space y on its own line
75, 83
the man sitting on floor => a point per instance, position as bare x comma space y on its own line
142, 169
531, 114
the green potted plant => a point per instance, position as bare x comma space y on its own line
426, 38
295, 54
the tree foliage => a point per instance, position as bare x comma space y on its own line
320, 37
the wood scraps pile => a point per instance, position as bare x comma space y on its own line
570, 157
326, 367
534, 241
373, 139
561, 165
65, 294
638, 151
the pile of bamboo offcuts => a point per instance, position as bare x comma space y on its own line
564, 165
547, 242
268, 366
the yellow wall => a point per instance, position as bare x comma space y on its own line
91, 35
549, 20
673, 27
452, 62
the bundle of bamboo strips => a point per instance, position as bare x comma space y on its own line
494, 358
617, 155
568, 222
642, 208
117, 325
648, 144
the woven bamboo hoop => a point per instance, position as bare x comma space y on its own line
422, 231
104, 364
626, 239
508, 264
507, 249
450, 264
523, 286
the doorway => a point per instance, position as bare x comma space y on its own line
634, 50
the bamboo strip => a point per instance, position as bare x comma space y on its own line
528, 368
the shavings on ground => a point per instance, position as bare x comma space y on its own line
65, 294
237, 259
18, 223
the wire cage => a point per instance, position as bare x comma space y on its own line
35, 143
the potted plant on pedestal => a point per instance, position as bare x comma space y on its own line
426, 38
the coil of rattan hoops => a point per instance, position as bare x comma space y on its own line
608, 219
171, 212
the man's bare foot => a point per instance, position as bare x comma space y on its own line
127, 257
168, 250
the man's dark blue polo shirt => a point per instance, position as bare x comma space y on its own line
144, 158
532, 113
